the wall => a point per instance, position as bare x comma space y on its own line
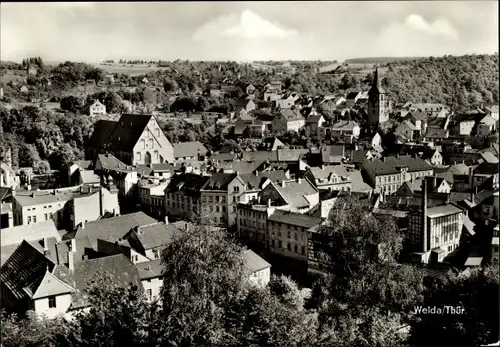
86, 208
154, 284
62, 304
160, 143
261, 278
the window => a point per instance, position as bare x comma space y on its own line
52, 301
279, 244
211, 209
296, 249
295, 236
234, 198
236, 189
156, 254
136, 258
217, 209
143, 143
46, 216
223, 208
29, 219
217, 199
289, 247
303, 250
157, 131
156, 154
50, 215
138, 155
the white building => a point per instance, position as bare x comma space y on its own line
97, 109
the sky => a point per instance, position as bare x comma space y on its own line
246, 31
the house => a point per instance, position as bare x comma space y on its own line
376, 143
297, 196
332, 154
145, 80
433, 134
32, 232
260, 270
288, 120
97, 109
112, 229
74, 168
271, 95
492, 111
346, 130
32, 70
276, 85
407, 130
486, 126
419, 119
24, 89
388, 174
215, 93
250, 89
434, 185
271, 144
484, 172
8, 177
315, 121
283, 103
189, 150
245, 105
134, 139
433, 110
351, 99
433, 156
329, 177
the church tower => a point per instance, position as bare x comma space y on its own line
377, 103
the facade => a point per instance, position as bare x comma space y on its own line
346, 130
97, 109
133, 139
288, 120
260, 270
377, 103
486, 126
406, 130
387, 175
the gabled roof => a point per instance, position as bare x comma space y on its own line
294, 192
271, 143
25, 268
219, 181
332, 153
436, 132
294, 218
254, 262
88, 176
102, 131
123, 273
189, 149
51, 285
110, 162
189, 184
224, 156
347, 125
127, 132
253, 182
418, 115
29, 232
275, 175
489, 157
486, 169
291, 154
390, 165
150, 269
260, 156
156, 235
443, 210
81, 245
113, 229
327, 171
27, 199
291, 115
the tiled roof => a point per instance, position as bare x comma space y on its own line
291, 154
436, 132
358, 185
254, 262
418, 115
240, 166
291, 115
83, 164
127, 132
102, 131
88, 176
358, 156
260, 156
123, 272
224, 157
332, 153
347, 125
294, 192
24, 268
156, 235
29, 232
486, 169
325, 172
51, 285
81, 245
274, 176
219, 181
314, 119
389, 165
294, 218
26, 199
189, 184
150, 269
110, 162
489, 157
8, 250
112, 229
253, 182
409, 125
189, 149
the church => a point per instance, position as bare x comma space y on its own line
378, 104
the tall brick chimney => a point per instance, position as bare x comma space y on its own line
424, 215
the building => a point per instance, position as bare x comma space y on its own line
407, 130
297, 196
433, 156
314, 122
284, 103
434, 232
250, 89
351, 99
97, 109
24, 89
486, 126
377, 102
388, 174
494, 245
329, 177
8, 177
492, 111
189, 150
288, 120
484, 172
343, 130
133, 139
260, 270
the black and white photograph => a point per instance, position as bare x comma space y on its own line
249, 173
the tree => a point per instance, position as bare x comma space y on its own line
71, 104
170, 86
28, 155
346, 81
476, 293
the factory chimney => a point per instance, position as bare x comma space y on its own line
424, 215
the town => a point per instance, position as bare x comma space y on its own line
324, 187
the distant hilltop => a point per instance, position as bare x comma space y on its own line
379, 60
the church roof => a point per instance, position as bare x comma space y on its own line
377, 86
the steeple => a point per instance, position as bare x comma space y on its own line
376, 85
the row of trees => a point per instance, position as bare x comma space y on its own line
366, 299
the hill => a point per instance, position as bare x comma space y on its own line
463, 82
379, 60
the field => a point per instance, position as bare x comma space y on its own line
131, 70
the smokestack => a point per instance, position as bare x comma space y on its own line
166, 220
283, 184
424, 214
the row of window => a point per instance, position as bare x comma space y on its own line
289, 247
32, 219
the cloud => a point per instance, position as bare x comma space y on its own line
248, 25
440, 27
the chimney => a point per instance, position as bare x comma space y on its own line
257, 173
85, 257
83, 224
283, 184
299, 181
28, 188
13, 192
73, 245
424, 215
54, 191
434, 187
71, 261
166, 220
269, 203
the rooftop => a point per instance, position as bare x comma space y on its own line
294, 218
189, 149
29, 232
443, 210
254, 262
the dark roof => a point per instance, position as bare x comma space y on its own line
150, 269
189, 184
390, 165
332, 153
294, 218
112, 229
127, 132
418, 115
224, 156
291, 115
81, 244
274, 176
219, 181
25, 268
5, 193
376, 85
102, 131
260, 156
253, 182
352, 95
486, 169
122, 270
436, 132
